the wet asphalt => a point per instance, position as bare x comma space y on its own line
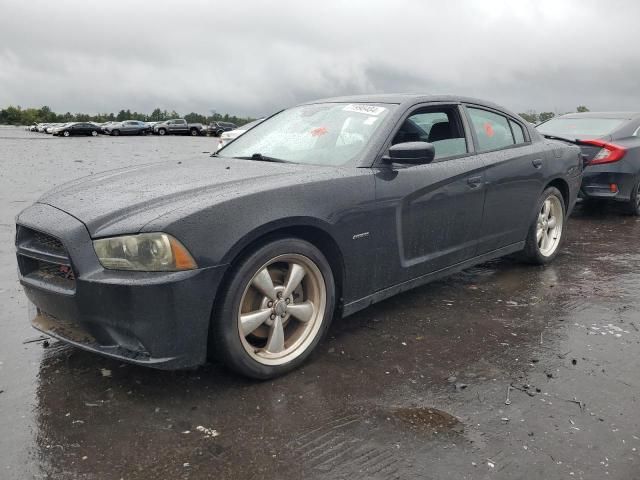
502, 371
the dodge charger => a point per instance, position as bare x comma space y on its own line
317, 212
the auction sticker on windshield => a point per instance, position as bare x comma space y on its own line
368, 109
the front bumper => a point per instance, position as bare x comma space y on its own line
158, 319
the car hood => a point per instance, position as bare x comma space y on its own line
125, 200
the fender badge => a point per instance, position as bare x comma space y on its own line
358, 236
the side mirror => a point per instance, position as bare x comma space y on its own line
413, 153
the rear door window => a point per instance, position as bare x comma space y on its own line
518, 133
492, 130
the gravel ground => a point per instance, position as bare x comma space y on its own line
414, 387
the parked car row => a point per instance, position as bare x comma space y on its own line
177, 126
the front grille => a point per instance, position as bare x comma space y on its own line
43, 260
48, 242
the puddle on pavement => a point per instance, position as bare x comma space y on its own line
428, 419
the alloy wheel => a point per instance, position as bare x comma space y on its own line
549, 225
282, 308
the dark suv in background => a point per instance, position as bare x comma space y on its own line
217, 128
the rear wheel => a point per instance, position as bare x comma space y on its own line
547, 228
194, 132
94, 133
275, 309
633, 207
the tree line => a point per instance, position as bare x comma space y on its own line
28, 116
533, 117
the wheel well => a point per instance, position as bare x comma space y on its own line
561, 185
315, 236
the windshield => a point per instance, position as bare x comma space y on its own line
580, 127
318, 134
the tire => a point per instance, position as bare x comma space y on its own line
194, 132
115, 133
66, 133
94, 133
219, 133
273, 340
536, 251
633, 206
162, 131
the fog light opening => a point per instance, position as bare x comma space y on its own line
613, 188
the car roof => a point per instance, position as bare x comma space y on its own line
408, 99
400, 98
612, 115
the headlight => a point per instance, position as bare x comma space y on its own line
147, 252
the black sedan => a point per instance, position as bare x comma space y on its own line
319, 211
78, 128
611, 145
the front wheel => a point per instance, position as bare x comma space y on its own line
162, 132
275, 309
115, 133
547, 228
66, 133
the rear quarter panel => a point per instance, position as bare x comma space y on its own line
564, 163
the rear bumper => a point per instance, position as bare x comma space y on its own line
600, 184
155, 319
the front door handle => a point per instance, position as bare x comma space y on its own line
474, 182
537, 163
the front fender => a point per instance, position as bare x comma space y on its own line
340, 207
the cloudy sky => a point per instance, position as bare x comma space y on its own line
253, 57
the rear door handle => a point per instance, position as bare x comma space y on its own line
537, 163
474, 182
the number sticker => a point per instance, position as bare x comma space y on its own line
366, 109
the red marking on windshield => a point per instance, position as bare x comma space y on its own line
488, 129
318, 132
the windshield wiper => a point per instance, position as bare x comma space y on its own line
263, 158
